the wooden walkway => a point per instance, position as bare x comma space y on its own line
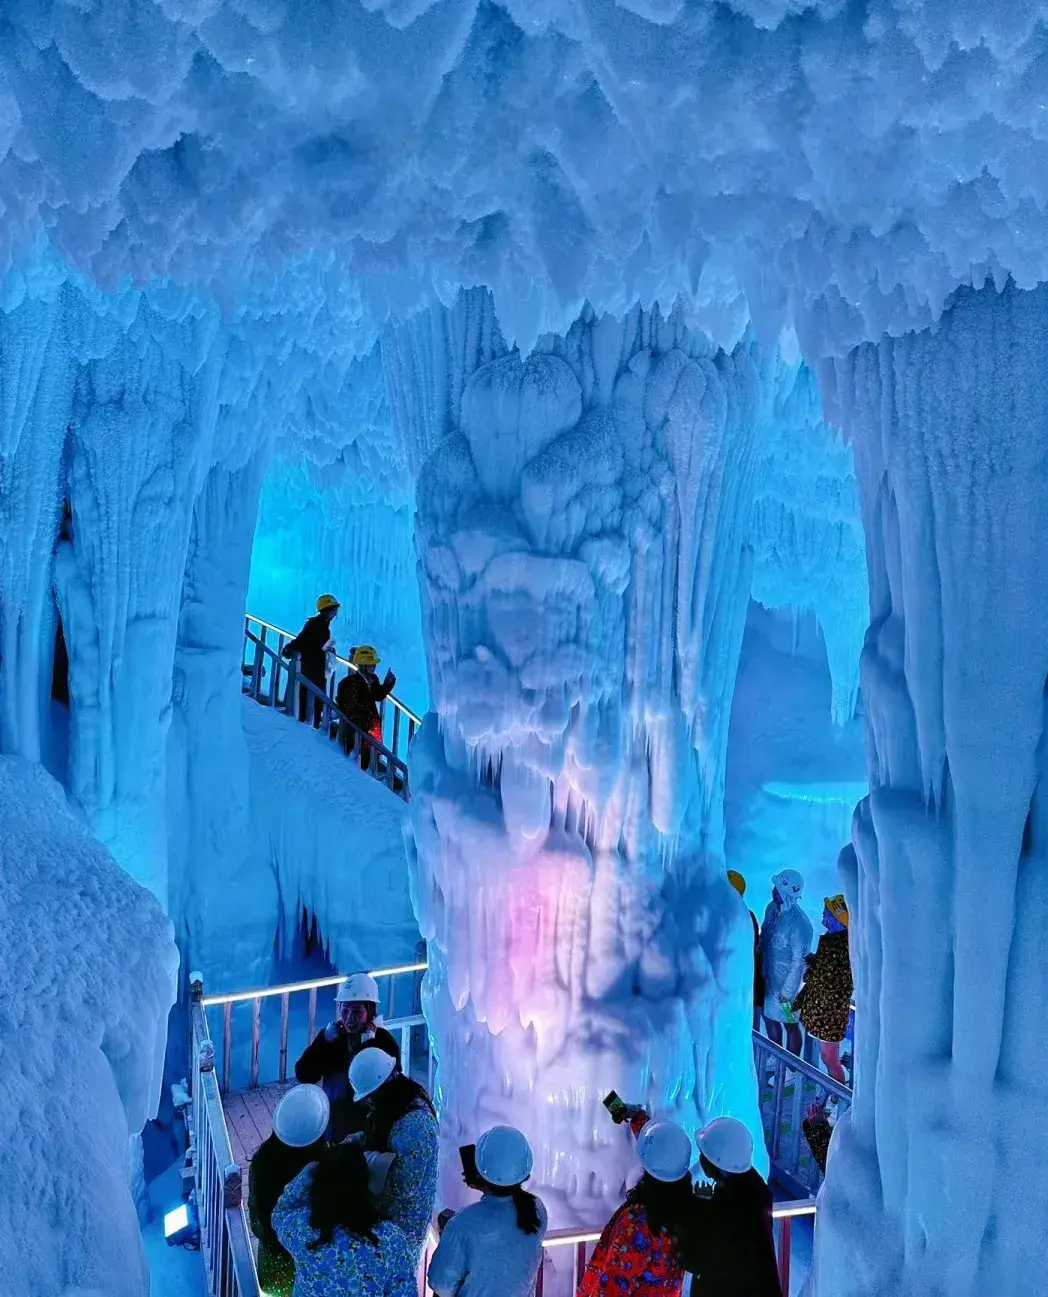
249, 1120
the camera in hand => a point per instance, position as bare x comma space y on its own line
615, 1106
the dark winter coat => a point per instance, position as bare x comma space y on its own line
758, 964
817, 1132
824, 1002
309, 645
731, 1250
272, 1169
326, 1063
358, 697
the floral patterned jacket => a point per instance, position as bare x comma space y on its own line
350, 1263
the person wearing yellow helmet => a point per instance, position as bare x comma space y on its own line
739, 884
313, 643
824, 1002
358, 697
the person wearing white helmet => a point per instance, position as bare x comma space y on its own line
638, 1254
732, 1234
297, 1140
327, 1058
786, 937
331, 1222
493, 1248
401, 1119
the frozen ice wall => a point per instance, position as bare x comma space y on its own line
87, 976
938, 1181
583, 517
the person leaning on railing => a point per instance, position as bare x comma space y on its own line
311, 645
493, 1248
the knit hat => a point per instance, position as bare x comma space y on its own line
737, 881
838, 907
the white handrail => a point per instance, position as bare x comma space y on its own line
318, 984
281, 630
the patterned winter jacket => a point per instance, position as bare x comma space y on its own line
630, 1261
825, 999
411, 1187
350, 1263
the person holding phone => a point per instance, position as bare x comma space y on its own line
493, 1248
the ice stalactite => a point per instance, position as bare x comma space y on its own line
937, 1183
807, 530
87, 977
582, 529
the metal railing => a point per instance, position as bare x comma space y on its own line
783, 1106
225, 1243
275, 680
399, 722
402, 1027
582, 1242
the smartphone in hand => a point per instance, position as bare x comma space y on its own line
470, 1175
616, 1107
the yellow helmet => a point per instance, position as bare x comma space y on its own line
737, 881
326, 601
365, 656
838, 907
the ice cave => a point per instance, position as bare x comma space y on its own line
523, 575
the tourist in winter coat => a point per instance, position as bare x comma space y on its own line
401, 1120
638, 1254
297, 1140
493, 1248
739, 883
786, 937
358, 696
732, 1240
817, 1130
326, 1060
312, 646
824, 1001
341, 1242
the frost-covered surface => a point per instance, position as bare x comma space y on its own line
939, 1182
793, 776
87, 976
843, 163
582, 519
326, 838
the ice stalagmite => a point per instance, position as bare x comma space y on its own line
582, 530
937, 1182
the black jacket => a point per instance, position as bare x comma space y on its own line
358, 697
272, 1169
326, 1063
731, 1249
309, 645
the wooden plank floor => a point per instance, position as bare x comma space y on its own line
249, 1120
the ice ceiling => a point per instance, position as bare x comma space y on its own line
836, 165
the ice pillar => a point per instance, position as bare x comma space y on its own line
938, 1183
582, 533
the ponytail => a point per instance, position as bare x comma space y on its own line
527, 1210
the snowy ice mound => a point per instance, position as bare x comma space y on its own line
839, 163
87, 976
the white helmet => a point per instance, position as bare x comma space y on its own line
301, 1116
359, 988
369, 1070
665, 1150
504, 1156
790, 884
727, 1143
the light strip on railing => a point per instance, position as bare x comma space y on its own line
280, 630
265, 993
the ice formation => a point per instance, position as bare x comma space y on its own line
937, 1184
87, 977
582, 524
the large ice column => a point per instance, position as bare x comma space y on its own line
87, 976
582, 530
938, 1182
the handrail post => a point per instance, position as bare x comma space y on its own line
290, 700
785, 1246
